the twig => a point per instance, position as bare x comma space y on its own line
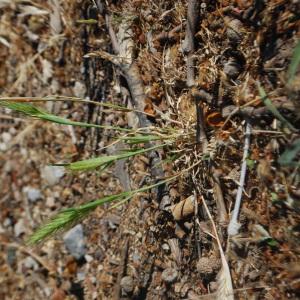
234, 226
197, 234
39, 259
189, 48
189, 42
250, 111
199, 99
222, 213
112, 34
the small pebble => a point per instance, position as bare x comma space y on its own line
3, 147
88, 258
30, 263
50, 202
165, 247
79, 89
7, 222
127, 284
80, 276
32, 194
19, 228
6, 137
169, 275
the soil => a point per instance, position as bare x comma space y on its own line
196, 70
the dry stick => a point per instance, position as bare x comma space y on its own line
200, 129
50, 268
123, 47
233, 227
250, 111
222, 213
189, 42
196, 220
189, 48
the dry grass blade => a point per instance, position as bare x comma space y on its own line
268, 103
294, 63
225, 288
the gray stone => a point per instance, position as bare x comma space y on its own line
80, 276
32, 194
75, 242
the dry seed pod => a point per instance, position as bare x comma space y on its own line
208, 265
169, 275
183, 208
233, 31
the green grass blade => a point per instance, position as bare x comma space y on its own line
72, 99
69, 217
288, 156
87, 21
139, 139
104, 161
38, 113
268, 103
294, 63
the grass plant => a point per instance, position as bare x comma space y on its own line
68, 217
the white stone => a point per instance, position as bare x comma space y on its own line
19, 228
6, 137
30, 263
52, 174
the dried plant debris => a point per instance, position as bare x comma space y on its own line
147, 106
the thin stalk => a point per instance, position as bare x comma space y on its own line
73, 99
233, 227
